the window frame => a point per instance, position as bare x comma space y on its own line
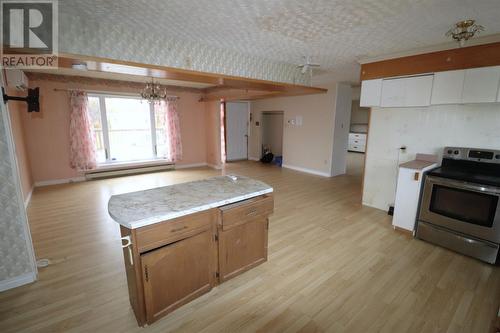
101, 96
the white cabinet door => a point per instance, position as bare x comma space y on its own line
393, 92
370, 92
447, 87
481, 85
407, 195
418, 90
407, 91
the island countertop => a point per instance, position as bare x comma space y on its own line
142, 208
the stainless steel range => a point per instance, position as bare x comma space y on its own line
460, 203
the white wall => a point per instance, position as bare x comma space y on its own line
359, 115
421, 130
307, 147
343, 104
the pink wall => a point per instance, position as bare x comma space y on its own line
16, 111
47, 132
213, 135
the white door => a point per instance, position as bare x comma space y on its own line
236, 131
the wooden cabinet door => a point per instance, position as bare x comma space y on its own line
242, 247
177, 273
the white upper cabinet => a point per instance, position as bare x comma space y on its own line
407, 91
481, 85
447, 87
370, 92
393, 92
475, 85
418, 90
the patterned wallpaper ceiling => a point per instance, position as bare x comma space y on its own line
336, 33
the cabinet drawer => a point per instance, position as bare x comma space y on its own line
357, 141
156, 235
358, 148
361, 136
244, 211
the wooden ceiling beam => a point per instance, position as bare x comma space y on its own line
460, 58
221, 83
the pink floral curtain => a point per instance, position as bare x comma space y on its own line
169, 120
82, 136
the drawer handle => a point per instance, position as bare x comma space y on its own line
128, 245
253, 211
179, 229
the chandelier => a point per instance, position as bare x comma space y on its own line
464, 30
153, 93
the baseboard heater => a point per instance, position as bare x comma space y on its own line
127, 171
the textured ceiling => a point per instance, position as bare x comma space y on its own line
335, 33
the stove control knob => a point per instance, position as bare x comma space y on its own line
450, 151
456, 152
497, 156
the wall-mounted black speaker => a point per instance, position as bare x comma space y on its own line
33, 99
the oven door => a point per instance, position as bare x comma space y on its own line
468, 208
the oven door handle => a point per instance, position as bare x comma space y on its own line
464, 185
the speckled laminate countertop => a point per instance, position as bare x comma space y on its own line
142, 208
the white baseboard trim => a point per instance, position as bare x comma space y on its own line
28, 198
59, 181
306, 170
17, 281
213, 166
372, 206
253, 159
193, 165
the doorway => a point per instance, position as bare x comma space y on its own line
237, 131
358, 135
272, 132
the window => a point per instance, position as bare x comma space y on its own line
127, 129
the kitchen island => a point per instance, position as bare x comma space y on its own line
180, 241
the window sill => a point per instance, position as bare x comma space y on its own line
113, 166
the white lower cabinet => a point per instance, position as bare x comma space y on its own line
357, 142
407, 197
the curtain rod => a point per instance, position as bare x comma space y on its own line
97, 92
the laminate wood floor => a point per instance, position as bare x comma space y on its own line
334, 266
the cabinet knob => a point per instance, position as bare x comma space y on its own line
416, 177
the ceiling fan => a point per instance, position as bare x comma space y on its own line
307, 65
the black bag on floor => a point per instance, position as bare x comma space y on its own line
267, 158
